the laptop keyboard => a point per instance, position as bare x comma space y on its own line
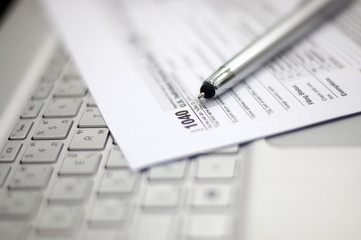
63, 176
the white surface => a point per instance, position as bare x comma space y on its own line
301, 193
144, 63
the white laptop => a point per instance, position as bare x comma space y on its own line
62, 175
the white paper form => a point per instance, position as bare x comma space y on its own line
144, 62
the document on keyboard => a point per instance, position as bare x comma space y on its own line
144, 62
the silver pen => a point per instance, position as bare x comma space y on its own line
306, 17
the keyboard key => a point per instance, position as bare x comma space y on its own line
171, 171
31, 177
108, 213
10, 152
63, 108
52, 74
80, 163
60, 52
33, 109
14, 230
59, 221
55, 67
161, 195
118, 182
116, 159
21, 130
59, 60
4, 172
100, 234
211, 196
70, 191
229, 150
70, 89
51, 129
89, 139
19, 205
43, 90
71, 71
155, 227
91, 102
75, 78
207, 227
216, 167
92, 118
42, 152
113, 138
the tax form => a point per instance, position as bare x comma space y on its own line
145, 60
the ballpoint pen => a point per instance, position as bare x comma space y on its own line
306, 17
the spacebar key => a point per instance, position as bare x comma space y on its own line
155, 227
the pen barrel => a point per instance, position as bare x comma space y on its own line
309, 15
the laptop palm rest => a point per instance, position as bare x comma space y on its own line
304, 184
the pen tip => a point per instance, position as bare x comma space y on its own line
201, 95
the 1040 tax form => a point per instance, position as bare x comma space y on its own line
145, 60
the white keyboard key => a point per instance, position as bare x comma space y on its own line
70, 191
42, 152
228, 150
80, 163
71, 71
59, 221
50, 129
171, 171
21, 130
70, 89
161, 195
74, 78
155, 227
89, 139
116, 159
43, 90
10, 152
91, 102
207, 227
31, 177
52, 74
108, 213
33, 109
59, 61
114, 141
211, 196
60, 52
92, 118
100, 234
216, 167
14, 230
63, 108
118, 182
19, 205
4, 172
